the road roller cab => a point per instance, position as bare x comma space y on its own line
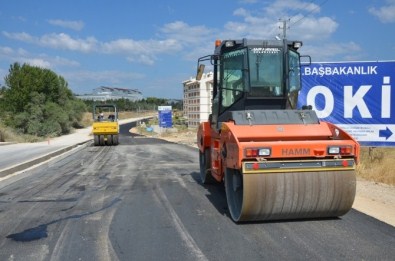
276, 161
105, 127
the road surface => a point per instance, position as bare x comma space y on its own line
142, 200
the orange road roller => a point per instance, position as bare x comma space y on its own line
276, 161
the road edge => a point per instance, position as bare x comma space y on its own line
29, 163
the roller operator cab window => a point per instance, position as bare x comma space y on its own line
259, 72
266, 65
233, 80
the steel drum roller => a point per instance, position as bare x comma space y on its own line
289, 195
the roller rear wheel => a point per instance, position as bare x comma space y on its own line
101, 140
96, 141
109, 141
205, 168
115, 139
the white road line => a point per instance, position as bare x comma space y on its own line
190, 243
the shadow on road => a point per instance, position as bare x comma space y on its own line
216, 195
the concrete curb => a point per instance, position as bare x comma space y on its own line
6, 143
40, 159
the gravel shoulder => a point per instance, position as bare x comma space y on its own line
376, 200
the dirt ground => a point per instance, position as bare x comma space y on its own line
372, 198
376, 200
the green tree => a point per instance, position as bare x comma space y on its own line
2, 90
37, 101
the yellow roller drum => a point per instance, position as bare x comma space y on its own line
289, 195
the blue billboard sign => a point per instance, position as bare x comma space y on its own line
356, 96
165, 116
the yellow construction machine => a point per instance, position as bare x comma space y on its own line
275, 160
105, 127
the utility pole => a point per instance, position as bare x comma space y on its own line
284, 27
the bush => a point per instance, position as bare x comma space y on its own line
37, 101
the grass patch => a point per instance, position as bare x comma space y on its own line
377, 164
86, 120
132, 114
7, 134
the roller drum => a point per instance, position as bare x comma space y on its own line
289, 195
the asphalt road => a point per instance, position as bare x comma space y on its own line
142, 200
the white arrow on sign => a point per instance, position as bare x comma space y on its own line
370, 132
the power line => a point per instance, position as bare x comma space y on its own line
311, 11
302, 8
284, 21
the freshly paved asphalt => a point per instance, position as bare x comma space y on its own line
142, 200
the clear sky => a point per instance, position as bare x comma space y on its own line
153, 45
